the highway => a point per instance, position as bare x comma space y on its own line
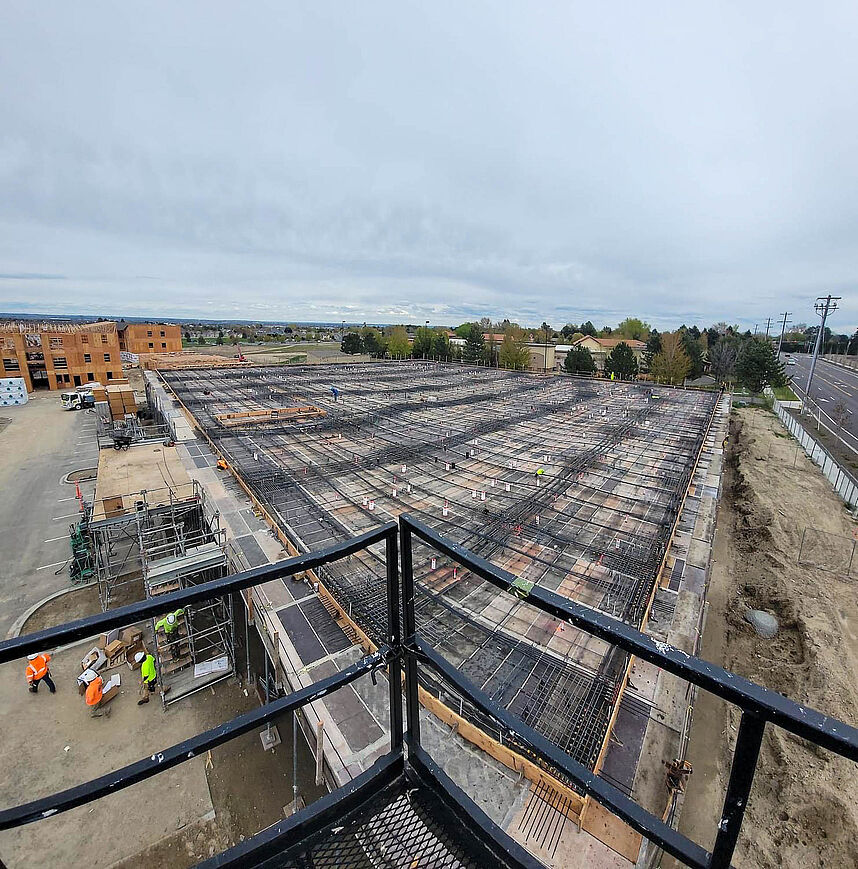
831, 386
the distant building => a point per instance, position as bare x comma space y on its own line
59, 355
599, 349
542, 356
142, 338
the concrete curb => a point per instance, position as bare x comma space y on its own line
15, 630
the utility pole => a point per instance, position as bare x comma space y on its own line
824, 306
783, 329
768, 326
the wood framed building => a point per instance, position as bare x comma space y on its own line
59, 355
142, 338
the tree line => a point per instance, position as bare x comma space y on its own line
724, 351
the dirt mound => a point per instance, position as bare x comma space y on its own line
803, 810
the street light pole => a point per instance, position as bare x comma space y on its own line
824, 306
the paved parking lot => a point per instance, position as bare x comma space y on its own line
41, 443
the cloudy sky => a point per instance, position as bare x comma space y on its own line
684, 162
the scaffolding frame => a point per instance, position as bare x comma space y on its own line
170, 540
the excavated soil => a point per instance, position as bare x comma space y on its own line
803, 809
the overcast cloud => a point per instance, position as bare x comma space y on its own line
684, 162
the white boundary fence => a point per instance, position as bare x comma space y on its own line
844, 484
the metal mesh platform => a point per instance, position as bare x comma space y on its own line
400, 827
404, 812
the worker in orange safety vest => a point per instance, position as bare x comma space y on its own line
94, 693
38, 671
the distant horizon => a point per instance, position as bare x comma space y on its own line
6, 315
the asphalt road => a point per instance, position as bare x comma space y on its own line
41, 443
831, 386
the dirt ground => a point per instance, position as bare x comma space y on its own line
803, 809
174, 819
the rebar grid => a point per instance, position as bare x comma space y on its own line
460, 448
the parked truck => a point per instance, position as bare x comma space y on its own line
80, 399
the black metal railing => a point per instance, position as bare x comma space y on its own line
759, 705
405, 649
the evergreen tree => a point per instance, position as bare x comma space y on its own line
621, 362
579, 360
351, 343
422, 342
372, 342
475, 344
653, 348
757, 366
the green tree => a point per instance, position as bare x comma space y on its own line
568, 330
588, 329
671, 364
423, 342
579, 360
757, 366
621, 362
200, 340
513, 351
440, 344
397, 342
372, 342
475, 345
219, 337
653, 348
633, 329
187, 336
694, 349
351, 343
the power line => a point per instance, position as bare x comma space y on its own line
786, 315
824, 306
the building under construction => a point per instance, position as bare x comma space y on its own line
575, 485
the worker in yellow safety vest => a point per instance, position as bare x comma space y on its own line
148, 677
39, 671
169, 624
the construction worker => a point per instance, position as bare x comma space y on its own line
148, 676
38, 670
94, 693
169, 625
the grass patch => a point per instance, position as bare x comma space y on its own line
784, 393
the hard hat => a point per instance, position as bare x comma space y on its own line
33, 656
171, 619
138, 658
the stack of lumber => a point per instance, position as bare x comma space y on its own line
120, 400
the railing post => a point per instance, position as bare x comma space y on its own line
394, 639
745, 756
412, 701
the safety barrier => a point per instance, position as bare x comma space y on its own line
406, 650
844, 483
